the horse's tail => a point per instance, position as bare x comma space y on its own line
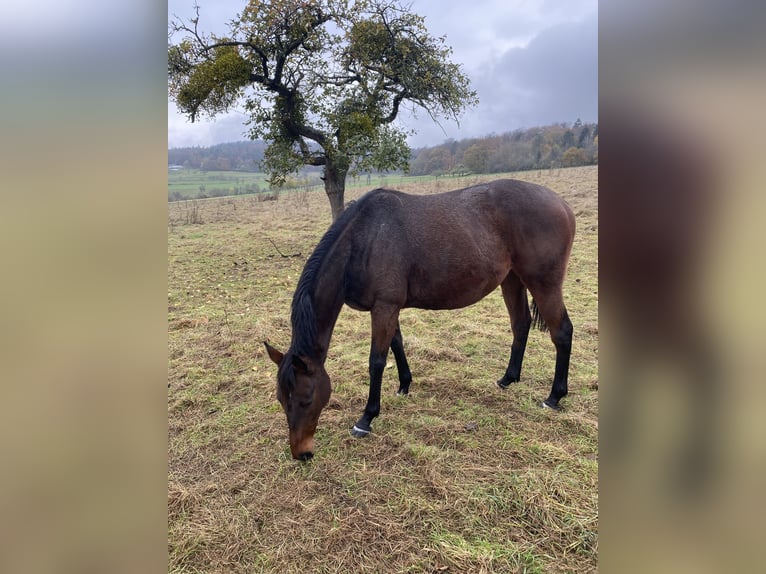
537, 319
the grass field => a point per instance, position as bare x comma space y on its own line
458, 477
190, 183
184, 184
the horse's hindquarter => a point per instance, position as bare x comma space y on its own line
484, 232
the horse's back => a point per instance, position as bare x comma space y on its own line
449, 250
523, 218
503, 202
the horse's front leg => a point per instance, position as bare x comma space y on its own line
384, 324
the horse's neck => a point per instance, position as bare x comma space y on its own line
328, 297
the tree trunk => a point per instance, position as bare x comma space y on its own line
335, 187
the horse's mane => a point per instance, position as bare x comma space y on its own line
303, 317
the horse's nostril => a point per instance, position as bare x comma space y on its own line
305, 456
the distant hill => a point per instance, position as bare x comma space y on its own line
235, 156
557, 145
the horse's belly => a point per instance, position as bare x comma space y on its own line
453, 289
437, 303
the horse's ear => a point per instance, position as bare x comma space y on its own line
274, 355
299, 365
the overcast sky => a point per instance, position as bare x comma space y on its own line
532, 62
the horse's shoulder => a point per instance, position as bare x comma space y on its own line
383, 198
382, 192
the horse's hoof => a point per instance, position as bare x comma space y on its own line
547, 405
356, 432
504, 383
401, 393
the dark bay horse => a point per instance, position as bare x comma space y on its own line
391, 250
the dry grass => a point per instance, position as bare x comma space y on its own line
458, 477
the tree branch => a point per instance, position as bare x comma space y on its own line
282, 254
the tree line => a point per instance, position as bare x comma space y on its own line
557, 145
235, 156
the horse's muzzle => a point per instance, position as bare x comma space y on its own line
302, 446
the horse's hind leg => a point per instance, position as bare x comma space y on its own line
402, 367
550, 303
515, 297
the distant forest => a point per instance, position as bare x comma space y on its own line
236, 156
558, 145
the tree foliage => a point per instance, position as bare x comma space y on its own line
574, 156
532, 148
236, 156
322, 81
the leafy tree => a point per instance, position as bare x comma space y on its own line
321, 80
475, 158
432, 160
584, 139
574, 156
568, 139
459, 170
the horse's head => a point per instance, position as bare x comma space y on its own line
303, 390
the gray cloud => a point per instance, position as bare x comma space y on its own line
531, 62
554, 78
225, 128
